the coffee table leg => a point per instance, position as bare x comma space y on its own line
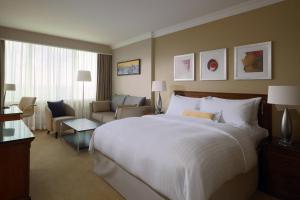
77, 141
60, 130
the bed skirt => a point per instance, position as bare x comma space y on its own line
242, 187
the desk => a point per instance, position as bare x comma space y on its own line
11, 113
15, 140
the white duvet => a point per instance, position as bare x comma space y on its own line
181, 158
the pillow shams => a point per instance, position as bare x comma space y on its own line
236, 112
178, 104
255, 101
239, 114
210, 106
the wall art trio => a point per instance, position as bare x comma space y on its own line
250, 62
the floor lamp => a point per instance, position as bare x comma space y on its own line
83, 76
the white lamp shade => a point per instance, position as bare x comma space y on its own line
84, 75
284, 95
10, 87
159, 86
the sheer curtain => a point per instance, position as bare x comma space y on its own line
48, 73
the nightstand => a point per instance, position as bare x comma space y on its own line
280, 169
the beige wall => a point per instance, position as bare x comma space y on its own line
138, 85
37, 38
278, 23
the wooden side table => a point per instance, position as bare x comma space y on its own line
10, 113
280, 170
15, 141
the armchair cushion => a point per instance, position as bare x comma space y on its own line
133, 111
57, 108
116, 101
100, 106
133, 100
103, 116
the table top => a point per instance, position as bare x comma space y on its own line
82, 124
11, 110
274, 143
14, 130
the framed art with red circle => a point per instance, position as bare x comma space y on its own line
213, 65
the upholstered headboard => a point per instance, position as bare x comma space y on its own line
264, 111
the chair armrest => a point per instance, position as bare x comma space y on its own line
28, 110
100, 106
69, 110
124, 112
48, 118
29, 107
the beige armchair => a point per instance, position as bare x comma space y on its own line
27, 104
101, 111
53, 124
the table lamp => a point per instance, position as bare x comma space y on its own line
8, 87
286, 96
159, 86
83, 76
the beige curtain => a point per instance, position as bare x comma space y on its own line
2, 74
104, 77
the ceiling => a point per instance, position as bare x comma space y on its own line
104, 21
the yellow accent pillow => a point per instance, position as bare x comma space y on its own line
197, 114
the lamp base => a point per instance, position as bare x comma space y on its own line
285, 142
159, 112
286, 129
159, 105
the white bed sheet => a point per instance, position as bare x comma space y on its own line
182, 158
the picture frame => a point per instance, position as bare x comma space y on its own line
213, 64
184, 67
253, 61
130, 67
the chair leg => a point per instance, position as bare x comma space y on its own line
48, 132
56, 135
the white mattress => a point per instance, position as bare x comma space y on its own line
181, 158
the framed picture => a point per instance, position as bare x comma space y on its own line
130, 67
184, 66
213, 65
253, 61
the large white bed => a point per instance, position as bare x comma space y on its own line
175, 157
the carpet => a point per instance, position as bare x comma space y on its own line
58, 172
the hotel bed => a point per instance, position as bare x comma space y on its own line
176, 157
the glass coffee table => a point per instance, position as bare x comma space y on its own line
82, 132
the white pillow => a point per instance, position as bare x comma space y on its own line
236, 112
211, 106
178, 104
255, 101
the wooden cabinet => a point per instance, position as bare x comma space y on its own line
15, 140
280, 170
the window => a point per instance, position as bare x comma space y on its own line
48, 73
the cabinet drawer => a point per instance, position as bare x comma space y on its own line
282, 173
283, 162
